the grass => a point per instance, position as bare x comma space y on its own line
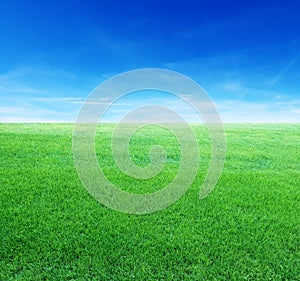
248, 228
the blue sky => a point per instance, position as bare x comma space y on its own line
244, 54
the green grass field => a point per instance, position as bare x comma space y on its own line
248, 228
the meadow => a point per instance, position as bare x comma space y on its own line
248, 228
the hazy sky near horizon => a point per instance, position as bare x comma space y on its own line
244, 54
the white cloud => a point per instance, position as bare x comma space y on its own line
257, 112
231, 111
264, 106
60, 99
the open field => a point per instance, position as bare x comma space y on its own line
248, 228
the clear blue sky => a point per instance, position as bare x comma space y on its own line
245, 54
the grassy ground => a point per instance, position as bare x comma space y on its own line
247, 229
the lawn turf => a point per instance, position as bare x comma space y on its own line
248, 228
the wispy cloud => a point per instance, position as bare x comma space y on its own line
60, 99
29, 114
285, 70
241, 90
234, 111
